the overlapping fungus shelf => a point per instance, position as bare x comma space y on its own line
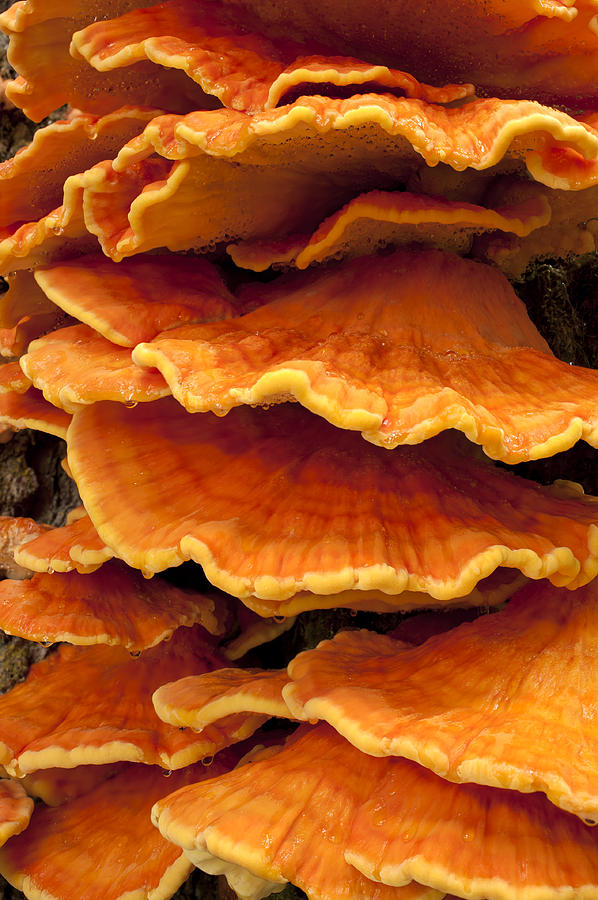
495, 701
398, 347
219, 491
395, 819
398, 162
110, 718
113, 606
87, 838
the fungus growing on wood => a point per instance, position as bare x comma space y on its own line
15, 809
14, 533
42, 727
399, 347
307, 820
217, 163
197, 701
114, 606
380, 218
75, 546
534, 48
416, 130
32, 181
395, 820
489, 592
12, 379
571, 230
255, 631
25, 313
49, 77
104, 841
281, 508
215, 46
473, 841
184, 487
139, 298
143, 199
58, 234
30, 410
76, 366
57, 786
495, 701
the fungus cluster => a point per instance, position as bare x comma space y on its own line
257, 280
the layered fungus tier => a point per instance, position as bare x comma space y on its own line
307, 629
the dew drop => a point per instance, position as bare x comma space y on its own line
207, 761
131, 404
167, 773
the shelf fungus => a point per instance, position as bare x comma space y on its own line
398, 347
12, 379
474, 841
488, 593
197, 701
392, 158
25, 313
534, 48
32, 181
139, 298
58, 234
477, 135
49, 77
14, 534
104, 840
15, 809
76, 366
30, 410
57, 786
572, 229
43, 727
216, 47
75, 546
115, 606
190, 182
562, 167
385, 218
495, 701
396, 820
192, 485
255, 630
228, 829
